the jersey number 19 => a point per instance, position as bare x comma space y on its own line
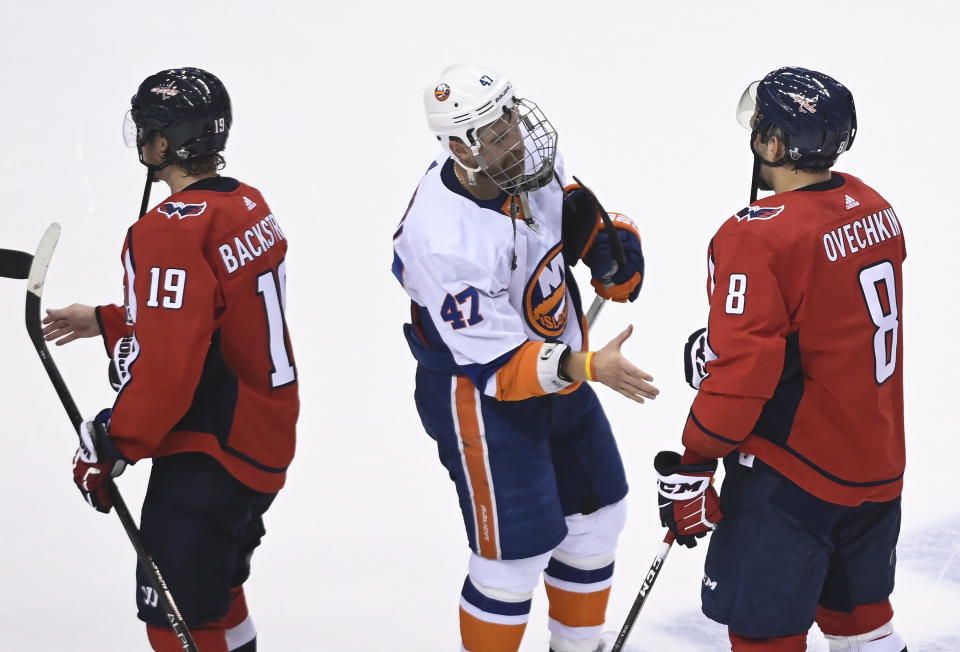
272, 288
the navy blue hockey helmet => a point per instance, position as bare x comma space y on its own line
815, 113
189, 106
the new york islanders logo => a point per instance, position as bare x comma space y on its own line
179, 210
441, 92
545, 297
751, 213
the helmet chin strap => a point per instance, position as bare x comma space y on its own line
759, 159
756, 182
146, 192
471, 172
146, 187
150, 179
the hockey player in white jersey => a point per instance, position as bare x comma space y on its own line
498, 331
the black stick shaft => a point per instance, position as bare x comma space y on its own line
645, 589
15, 264
146, 193
35, 330
618, 254
169, 606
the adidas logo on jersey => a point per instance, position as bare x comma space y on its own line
851, 202
250, 204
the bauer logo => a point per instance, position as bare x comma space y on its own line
441, 92
545, 297
751, 213
179, 210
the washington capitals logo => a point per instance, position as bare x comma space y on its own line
806, 104
179, 210
751, 213
166, 90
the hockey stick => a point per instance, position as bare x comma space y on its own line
37, 276
755, 181
15, 264
146, 193
619, 258
645, 589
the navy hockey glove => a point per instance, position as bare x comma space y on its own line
688, 503
612, 281
96, 461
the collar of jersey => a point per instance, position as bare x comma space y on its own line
216, 184
449, 178
836, 181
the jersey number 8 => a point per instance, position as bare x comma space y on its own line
737, 295
879, 285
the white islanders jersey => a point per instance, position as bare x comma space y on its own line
473, 305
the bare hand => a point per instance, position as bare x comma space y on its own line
68, 324
618, 373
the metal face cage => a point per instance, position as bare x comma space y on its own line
518, 149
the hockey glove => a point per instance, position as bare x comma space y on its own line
581, 222
688, 503
696, 354
611, 281
96, 461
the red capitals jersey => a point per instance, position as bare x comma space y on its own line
805, 341
201, 345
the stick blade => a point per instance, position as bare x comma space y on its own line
15, 264
41, 260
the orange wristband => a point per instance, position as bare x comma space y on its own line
589, 369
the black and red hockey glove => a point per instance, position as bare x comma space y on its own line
688, 503
96, 461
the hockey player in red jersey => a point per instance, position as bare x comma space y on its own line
202, 361
800, 379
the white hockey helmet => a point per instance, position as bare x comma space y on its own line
468, 98
465, 98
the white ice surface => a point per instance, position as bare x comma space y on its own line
365, 550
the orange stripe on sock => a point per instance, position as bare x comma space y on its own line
480, 636
578, 609
475, 461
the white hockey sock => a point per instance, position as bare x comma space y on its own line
882, 639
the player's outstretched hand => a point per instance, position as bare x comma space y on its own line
68, 324
616, 372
